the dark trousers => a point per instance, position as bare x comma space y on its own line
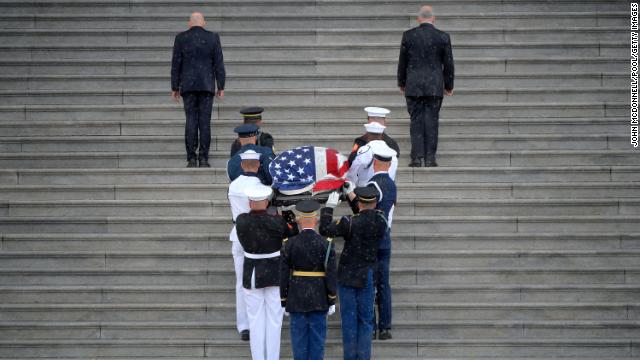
383, 290
425, 113
356, 312
308, 333
197, 108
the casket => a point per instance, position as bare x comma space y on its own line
307, 172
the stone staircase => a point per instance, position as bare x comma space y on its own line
524, 243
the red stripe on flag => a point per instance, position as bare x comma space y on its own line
332, 162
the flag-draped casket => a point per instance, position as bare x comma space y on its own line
308, 169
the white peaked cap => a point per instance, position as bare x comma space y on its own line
376, 111
250, 155
258, 193
374, 127
380, 148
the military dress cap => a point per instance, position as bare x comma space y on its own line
252, 113
366, 194
247, 130
382, 151
258, 193
307, 207
374, 127
250, 155
373, 111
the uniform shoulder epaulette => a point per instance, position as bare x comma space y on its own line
285, 240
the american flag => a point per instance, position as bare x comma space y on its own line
308, 168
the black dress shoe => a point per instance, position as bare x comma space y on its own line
415, 163
244, 335
430, 164
192, 163
384, 335
204, 163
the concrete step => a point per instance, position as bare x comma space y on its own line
117, 82
115, 7
402, 224
398, 276
421, 348
402, 330
135, 260
75, 176
176, 22
247, 36
344, 143
310, 97
403, 312
166, 110
397, 124
419, 205
571, 190
220, 242
236, 68
528, 158
452, 296
520, 50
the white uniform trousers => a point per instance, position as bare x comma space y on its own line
265, 322
242, 321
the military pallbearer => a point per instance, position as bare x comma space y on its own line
261, 234
308, 284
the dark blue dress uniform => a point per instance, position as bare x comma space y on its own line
233, 165
197, 64
386, 203
362, 233
308, 286
252, 115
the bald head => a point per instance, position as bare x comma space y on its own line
426, 15
196, 19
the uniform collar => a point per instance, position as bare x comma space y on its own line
309, 229
258, 212
380, 172
245, 173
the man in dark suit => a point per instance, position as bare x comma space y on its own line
197, 65
425, 73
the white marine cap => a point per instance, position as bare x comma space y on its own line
374, 127
376, 111
381, 150
250, 155
258, 193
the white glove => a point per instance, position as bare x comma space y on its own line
286, 314
348, 188
334, 200
290, 207
332, 310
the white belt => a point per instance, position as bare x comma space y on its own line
262, 256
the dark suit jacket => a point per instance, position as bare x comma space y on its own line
425, 67
197, 62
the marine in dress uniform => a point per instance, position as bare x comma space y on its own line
379, 115
253, 115
250, 163
261, 234
362, 233
361, 170
250, 132
387, 195
308, 284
